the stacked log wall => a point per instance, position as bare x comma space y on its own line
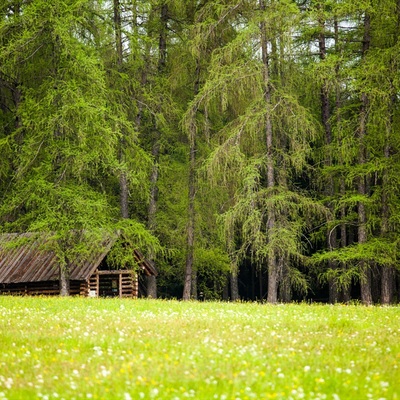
127, 286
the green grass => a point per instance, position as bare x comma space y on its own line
75, 348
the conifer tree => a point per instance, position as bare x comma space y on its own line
65, 144
357, 154
242, 83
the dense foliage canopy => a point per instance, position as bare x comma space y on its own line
249, 147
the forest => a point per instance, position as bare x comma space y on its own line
250, 148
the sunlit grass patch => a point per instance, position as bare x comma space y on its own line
130, 349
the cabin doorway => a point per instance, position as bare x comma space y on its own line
109, 285
117, 283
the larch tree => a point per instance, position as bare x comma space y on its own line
362, 123
62, 140
268, 216
65, 146
390, 173
201, 50
161, 66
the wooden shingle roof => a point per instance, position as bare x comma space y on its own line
29, 260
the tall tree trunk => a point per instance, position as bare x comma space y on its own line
123, 179
187, 289
325, 117
366, 295
388, 273
151, 281
345, 293
272, 296
152, 210
190, 274
64, 270
233, 275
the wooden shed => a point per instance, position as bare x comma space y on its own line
29, 269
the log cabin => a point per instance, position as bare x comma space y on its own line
27, 267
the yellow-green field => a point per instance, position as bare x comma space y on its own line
75, 348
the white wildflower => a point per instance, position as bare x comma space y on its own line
8, 383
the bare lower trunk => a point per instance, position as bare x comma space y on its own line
332, 245
272, 296
333, 289
233, 277
346, 291
151, 281
190, 273
387, 271
187, 289
366, 292
64, 281
388, 277
366, 280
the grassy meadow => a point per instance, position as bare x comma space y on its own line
77, 348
